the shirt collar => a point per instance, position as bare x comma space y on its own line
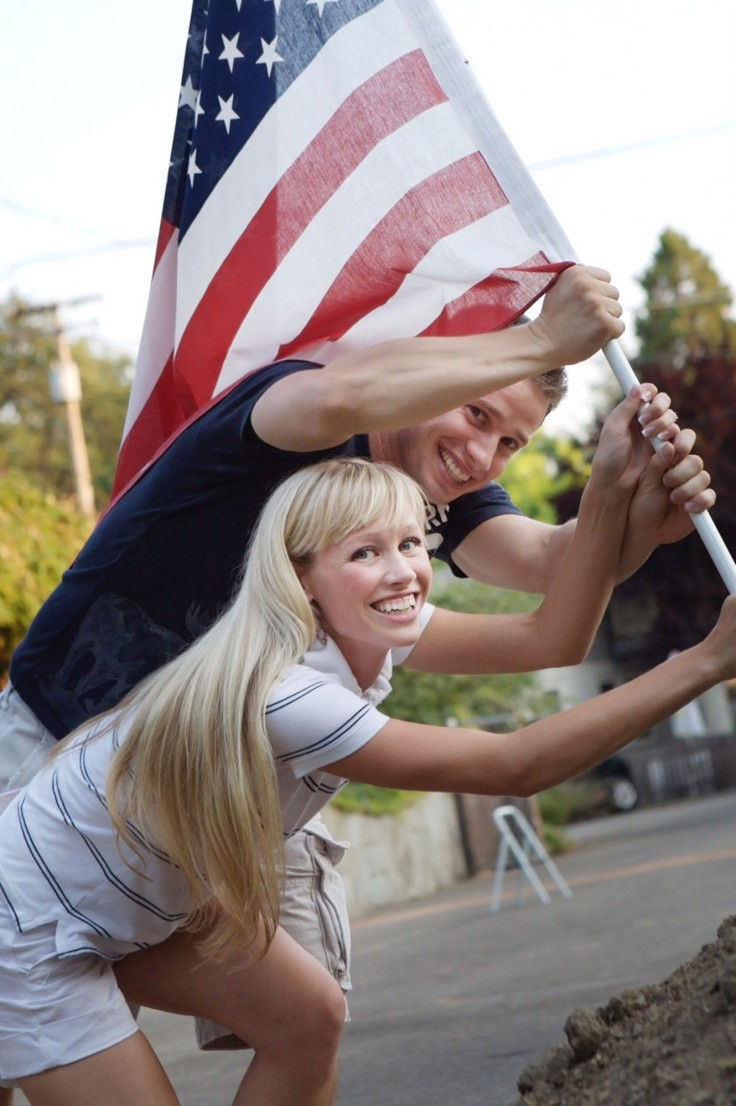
328, 659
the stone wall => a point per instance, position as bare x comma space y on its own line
393, 859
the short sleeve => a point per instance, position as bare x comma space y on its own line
312, 721
448, 526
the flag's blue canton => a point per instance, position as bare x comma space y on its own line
240, 58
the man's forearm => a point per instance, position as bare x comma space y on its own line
514, 552
394, 385
407, 381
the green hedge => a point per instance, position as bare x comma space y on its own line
362, 798
39, 537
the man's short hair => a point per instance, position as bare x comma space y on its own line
553, 383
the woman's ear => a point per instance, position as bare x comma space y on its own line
300, 571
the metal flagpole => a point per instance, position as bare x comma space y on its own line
703, 522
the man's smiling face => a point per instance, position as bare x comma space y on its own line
469, 446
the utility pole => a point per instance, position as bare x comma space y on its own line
65, 388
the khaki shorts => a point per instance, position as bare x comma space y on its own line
313, 912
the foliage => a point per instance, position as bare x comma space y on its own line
685, 315
33, 430
568, 802
688, 350
363, 798
545, 469
39, 537
555, 840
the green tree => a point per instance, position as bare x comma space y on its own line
39, 537
685, 315
546, 469
33, 432
688, 349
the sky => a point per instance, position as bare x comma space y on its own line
623, 110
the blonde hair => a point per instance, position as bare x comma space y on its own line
196, 770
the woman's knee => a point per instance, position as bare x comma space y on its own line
316, 1021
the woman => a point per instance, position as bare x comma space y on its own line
117, 850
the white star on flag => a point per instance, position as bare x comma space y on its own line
269, 56
226, 113
193, 169
230, 52
188, 95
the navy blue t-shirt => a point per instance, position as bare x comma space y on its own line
163, 562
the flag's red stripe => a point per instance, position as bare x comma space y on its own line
382, 104
499, 299
158, 418
426, 214
165, 233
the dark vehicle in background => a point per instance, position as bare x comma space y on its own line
659, 769
615, 780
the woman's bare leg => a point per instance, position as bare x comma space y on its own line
128, 1074
285, 1005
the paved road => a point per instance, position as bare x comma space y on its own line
451, 1003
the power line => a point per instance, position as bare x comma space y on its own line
138, 243
629, 147
85, 251
49, 217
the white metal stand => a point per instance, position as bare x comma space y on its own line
503, 816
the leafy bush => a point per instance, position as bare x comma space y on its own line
363, 798
39, 537
569, 802
555, 840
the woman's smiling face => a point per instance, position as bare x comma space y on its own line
370, 588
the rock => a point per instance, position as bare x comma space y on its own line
585, 1030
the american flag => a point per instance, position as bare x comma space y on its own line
337, 179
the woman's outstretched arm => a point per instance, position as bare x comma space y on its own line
432, 758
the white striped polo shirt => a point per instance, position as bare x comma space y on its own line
59, 856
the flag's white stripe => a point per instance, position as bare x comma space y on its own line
423, 146
354, 54
157, 334
460, 84
453, 266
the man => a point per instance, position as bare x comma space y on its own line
162, 562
